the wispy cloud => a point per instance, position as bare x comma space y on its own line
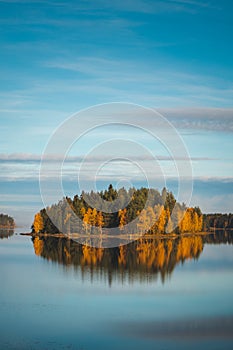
141, 6
214, 203
104, 168
27, 157
218, 119
121, 78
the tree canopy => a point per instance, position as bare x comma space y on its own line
6, 221
163, 211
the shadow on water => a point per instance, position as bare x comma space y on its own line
6, 233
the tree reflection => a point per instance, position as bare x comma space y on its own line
6, 233
141, 260
144, 259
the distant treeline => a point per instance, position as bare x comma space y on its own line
153, 218
217, 221
6, 221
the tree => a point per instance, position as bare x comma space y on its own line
122, 218
6, 221
38, 223
161, 220
164, 195
99, 221
86, 220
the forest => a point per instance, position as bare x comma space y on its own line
217, 221
6, 221
152, 219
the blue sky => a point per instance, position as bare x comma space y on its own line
58, 57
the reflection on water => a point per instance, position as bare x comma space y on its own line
219, 237
6, 233
142, 259
45, 305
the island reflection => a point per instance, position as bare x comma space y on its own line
143, 260
6, 233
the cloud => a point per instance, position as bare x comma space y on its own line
214, 203
137, 81
102, 167
137, 6
219, 119
28, 157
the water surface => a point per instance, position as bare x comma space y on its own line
56, 294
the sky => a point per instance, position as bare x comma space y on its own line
60, 57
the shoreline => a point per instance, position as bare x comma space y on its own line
7, 227
128, 237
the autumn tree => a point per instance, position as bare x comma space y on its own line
122, 218
99, 221
38, 223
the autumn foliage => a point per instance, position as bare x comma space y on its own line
163, 215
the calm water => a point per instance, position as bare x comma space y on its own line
173, 294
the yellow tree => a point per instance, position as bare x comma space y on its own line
83, 211
186, 223
93, 215
122, 218
86, 220
162, 220
100, 221
38, 223
151, 218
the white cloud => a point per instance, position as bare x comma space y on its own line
220, 119
213, 203
29, 157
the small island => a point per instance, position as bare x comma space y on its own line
153, 218
6, 222
163, 217
7, 226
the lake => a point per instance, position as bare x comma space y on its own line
151, 294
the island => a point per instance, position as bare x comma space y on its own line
154, 253
6, 222
153, 218
7, 226
163, 216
